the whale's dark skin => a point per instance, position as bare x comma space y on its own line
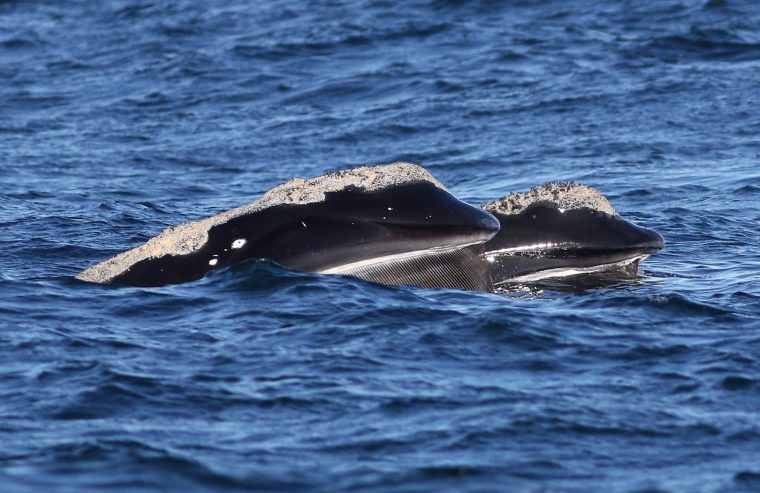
347, 233
543, 237
395, 224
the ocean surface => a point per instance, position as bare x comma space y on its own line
119, 118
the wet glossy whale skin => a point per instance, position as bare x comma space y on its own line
545, 241
350, 226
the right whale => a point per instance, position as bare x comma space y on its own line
395, 224
562, 229
389, 224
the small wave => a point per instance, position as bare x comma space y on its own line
703, 44
23, 40
682, 305
750, 435
749, 479
748, 189
340, 44
256, 275
450, 471
128, 463
737, 382
137, 10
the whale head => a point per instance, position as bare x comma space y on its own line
391, 224
563, 229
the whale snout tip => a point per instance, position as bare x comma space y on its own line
488, 221
644, 238
658, 241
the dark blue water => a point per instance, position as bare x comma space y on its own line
119, 118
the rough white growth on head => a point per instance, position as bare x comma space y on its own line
239, 243
565, 196
189, 237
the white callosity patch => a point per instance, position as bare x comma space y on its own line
189, 237
239, 243
565, 196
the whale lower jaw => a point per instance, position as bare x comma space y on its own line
459, 267
628, 266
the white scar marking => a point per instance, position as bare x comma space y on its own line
238, 243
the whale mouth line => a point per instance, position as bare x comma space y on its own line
567, 250
629, 265
396, 257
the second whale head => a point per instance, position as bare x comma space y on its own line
563, 229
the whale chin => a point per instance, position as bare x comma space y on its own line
554, 265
